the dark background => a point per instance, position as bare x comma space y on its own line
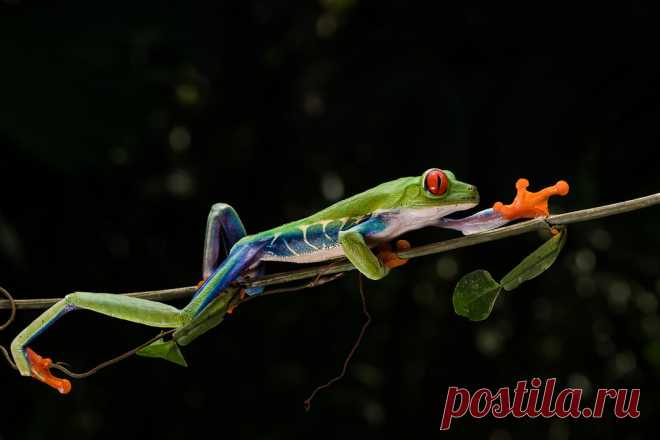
121, 125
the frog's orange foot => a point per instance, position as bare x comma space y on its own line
391, 259
200, 284
40, 368
530, 204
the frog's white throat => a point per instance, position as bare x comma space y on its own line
407, 219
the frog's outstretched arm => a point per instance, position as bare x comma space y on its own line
525, 205
222, 220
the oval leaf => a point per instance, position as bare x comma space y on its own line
475, 294
535, 263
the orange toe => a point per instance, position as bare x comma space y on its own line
391, 259
41, 370
402, 245
530, 204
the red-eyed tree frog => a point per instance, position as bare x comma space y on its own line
350, 228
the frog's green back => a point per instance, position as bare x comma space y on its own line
387, 195
405, 192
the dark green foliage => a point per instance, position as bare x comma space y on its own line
476, 293
535, 263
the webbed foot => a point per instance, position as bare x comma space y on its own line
391, 259
530, 204
40, 368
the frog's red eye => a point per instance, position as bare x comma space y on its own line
435, 182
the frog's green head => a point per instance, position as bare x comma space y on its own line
439, 188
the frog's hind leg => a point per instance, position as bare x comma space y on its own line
240, 258
223, 229
136, 310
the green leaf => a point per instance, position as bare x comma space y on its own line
535, 263
165, 350
475, 294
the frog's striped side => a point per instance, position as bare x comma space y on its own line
308, 243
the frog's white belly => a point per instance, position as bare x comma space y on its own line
313, 256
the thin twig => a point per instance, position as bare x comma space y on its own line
12, 305
319, 281
7, 324
342, 265
308, 401
121, 357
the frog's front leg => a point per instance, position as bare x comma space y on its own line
358, 252
484, 220
525, 205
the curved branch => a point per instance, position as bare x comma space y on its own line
343, 265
